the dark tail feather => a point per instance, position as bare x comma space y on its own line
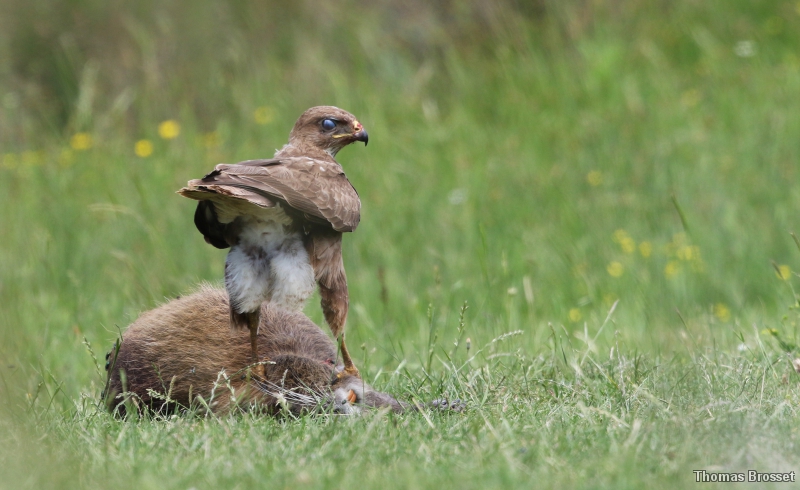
205, 219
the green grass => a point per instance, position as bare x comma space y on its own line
508, 148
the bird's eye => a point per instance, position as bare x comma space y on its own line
328, 124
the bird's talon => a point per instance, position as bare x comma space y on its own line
258, 370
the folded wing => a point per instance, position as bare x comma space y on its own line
317, 190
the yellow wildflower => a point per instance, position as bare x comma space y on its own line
620, 235
169, 129
783, 272
594, 178
263, 115
615, 269
722, 312
646, 249
143, 148
575, 315
627, 245
81, 141
688, 253
671, 269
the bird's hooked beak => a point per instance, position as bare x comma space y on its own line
359, 133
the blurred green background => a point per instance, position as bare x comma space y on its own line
539, 160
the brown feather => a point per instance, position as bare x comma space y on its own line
202, 192
316, 187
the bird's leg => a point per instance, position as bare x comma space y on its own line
349, 367
253, 320
325, 253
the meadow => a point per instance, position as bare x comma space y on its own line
578, 218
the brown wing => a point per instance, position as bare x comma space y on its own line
318, 189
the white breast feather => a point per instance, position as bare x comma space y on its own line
268, 264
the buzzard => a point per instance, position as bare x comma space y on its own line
283, 219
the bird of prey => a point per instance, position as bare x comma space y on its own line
283, 219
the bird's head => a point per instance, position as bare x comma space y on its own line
327, 128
